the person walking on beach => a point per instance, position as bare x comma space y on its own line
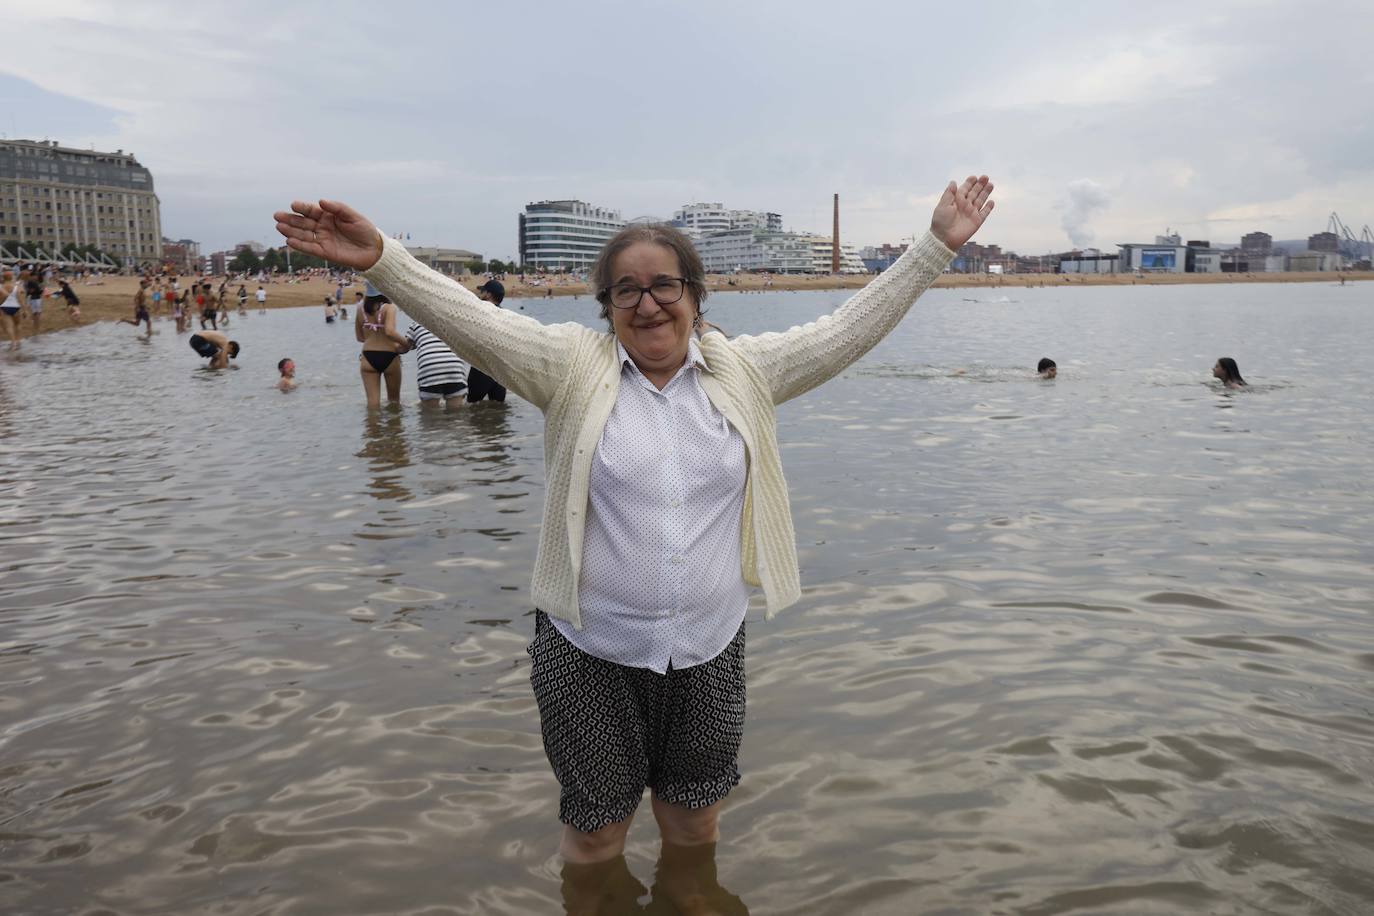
481, 385
1229, 373
665, 499
215, 347
441, 374
374, 325
11, 306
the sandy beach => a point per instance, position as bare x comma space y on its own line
112, 298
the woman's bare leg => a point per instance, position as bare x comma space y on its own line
393, 381
372, 383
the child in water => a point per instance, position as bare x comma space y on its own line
287, 368
1229, 373
1046, 368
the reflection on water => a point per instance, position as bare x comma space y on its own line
1100, 644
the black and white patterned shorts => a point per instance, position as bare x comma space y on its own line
610, 730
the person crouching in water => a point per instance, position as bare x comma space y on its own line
375, 327
217, 348
287, 368
1229, 373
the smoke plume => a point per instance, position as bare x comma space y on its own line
1085, 198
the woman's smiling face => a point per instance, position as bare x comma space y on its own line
655, 336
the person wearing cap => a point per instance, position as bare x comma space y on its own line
481, 385
665, 499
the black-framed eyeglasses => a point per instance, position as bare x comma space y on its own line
665, 290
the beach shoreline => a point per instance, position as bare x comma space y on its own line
112, 298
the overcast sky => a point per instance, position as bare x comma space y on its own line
1100, 123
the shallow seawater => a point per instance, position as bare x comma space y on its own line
1097, 645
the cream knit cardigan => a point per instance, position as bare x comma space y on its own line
570, 372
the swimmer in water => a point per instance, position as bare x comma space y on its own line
1229, 373
287, 368
217, 348
1046, 368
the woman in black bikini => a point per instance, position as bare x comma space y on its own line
375, 327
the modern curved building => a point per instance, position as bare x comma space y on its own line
565, 234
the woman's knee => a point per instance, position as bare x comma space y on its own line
605, 843
687, 826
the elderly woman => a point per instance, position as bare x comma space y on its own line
665, 503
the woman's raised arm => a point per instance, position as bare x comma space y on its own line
798, 359
530, 358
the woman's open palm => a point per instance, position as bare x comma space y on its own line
331, 230
961, 211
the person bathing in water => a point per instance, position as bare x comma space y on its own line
1229, 373
215, 347
1046, 368
287, 368
375, 327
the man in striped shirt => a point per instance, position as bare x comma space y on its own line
441, 375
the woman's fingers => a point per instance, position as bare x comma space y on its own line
294, 231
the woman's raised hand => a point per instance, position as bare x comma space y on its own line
331, 230
961, 211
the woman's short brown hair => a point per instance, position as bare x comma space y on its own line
659, 234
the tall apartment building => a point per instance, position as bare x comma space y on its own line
1257, 242
52, 196
565, 234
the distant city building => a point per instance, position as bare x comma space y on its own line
258, 248
756, 250
183, 255
1085, 263
822, 250
565, 234
973, 258
52, 196
1202, 258
1168, 256
1316, 260
701, 219
878, 258
1257, 242
1324, 241
451, 261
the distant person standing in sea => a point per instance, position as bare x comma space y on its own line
375, 327
665, 499
243, 300
11, 306
262, 300
1229, 373
33, 289
440, 374
481, 385
328, 310
209, 311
